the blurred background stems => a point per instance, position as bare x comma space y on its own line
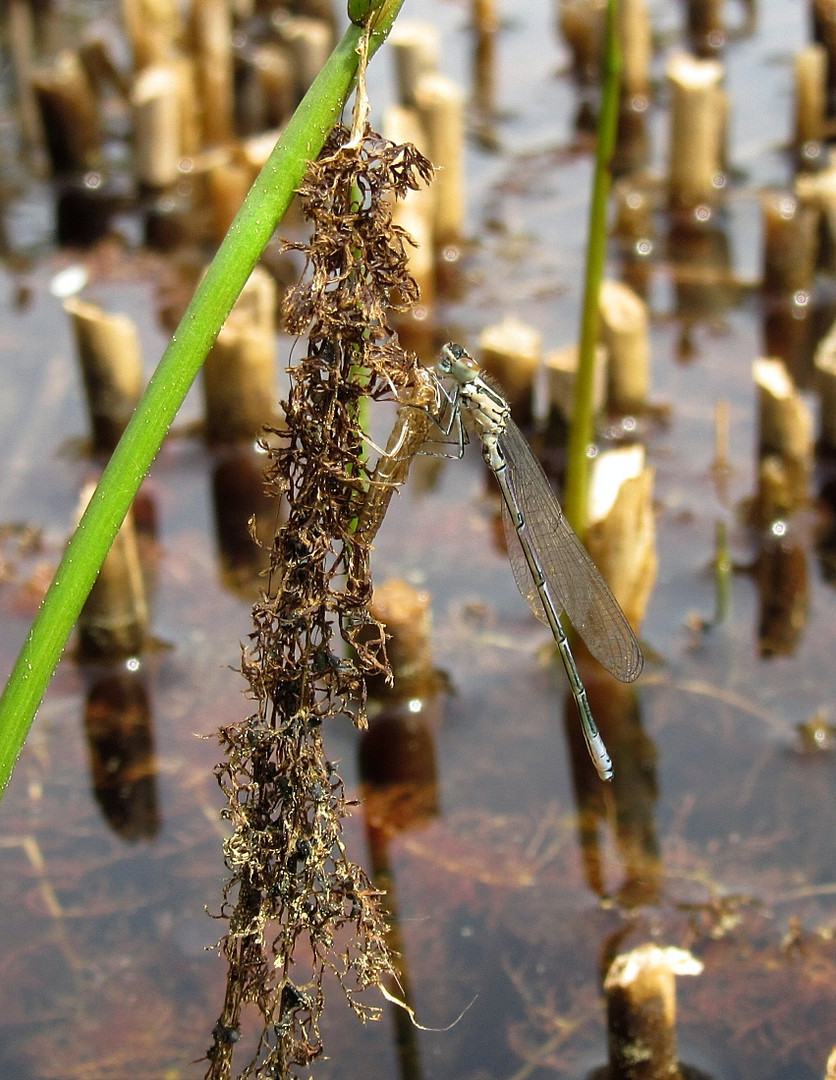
576, 500
263, 209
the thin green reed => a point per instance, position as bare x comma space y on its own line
576, 498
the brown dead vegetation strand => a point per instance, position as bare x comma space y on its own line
297, 906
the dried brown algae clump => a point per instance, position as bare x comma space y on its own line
296, 905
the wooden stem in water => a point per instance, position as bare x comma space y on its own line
211, 28
697, 126
636, 49
416, 211
156, 103
810, 95
641, 1012
511, 351
621, 536
785, 439
70, 115
114, 620
309, 41
239, 376
825, 362
440, 103
407, 615
111, 365
624, 333
560, 367
790, 243
154, 28
582, 24
415, 47
706, 27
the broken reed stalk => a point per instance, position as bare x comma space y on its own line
69, 114
625, 333
790, 244
441, 101
560, 368
641, 1011
308, 41
810, 97
582, 26
157, 108
511, 351
20, 36
111, 366
211, 33
706, 27
114, 620
239, 376
636, 52
415, 48
825, 365
297, 907
698, 118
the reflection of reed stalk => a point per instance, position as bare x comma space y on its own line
296, 893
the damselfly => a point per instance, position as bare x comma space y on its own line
551, 567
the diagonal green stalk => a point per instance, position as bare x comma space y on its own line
576, 494
263, 209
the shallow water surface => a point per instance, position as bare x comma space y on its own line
513, 875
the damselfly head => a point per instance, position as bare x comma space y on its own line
457, 362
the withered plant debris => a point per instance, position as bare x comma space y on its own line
296, 905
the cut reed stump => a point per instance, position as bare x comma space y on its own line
211, 34
309, 42
641, 1012
21, 49
810, 102
706, 26
785, 441
416, 211
511, 351
406, 614
624, 333
70, 114
156, 107
440, 103
239, 375
415, 47
582, 24
114, 620
790, 244
621, 536
698, 121
817, 193
825, 363
560, 367
111, 366
636, 51
785, 422
154, 29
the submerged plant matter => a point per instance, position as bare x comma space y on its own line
297, 906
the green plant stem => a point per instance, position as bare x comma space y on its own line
576, 494
263, 208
